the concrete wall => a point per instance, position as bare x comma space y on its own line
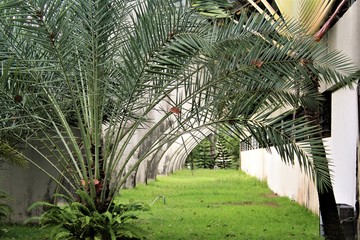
345, 36
288, 180
26, 186
175, 156
282, 179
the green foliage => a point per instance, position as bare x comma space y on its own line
211, 205
220, 151
9, 154
5, 209
214, 9
81, 220
223, 158
81, 79
202, 156
231, 144
25, 232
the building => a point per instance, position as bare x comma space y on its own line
342, 140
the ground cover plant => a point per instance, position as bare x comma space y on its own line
80, 220
220, 204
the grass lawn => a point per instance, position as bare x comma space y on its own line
211, 204
23, 232
221, 204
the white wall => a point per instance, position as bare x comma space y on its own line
342, 145
345, 36
282, 179
289, 181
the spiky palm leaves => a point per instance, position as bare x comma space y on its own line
9, 154
309, 15
101, 86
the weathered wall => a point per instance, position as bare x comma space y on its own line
282, 179
26, 186
175, 156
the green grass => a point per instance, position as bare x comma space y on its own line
210, 204
23, 232
221, 204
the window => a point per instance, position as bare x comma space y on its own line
326, 114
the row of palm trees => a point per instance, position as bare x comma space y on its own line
81, 79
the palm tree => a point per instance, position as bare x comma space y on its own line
98, 87
313, 17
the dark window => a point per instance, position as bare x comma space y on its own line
326, 114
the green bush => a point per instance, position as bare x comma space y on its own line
81, 220
220, 151
5, 209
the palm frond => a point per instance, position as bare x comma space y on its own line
292, 139
213, 9
11, 155
310, 14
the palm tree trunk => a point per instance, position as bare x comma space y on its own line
327, 202
329, 212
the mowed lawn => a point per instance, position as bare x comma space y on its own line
220, 204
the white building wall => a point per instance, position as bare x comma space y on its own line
282, 179
288, 180
342, 145
345, 36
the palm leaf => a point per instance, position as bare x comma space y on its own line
310, 14
11, 155
213, 9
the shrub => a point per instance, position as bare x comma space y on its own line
81, 220
5, 209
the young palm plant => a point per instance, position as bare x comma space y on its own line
98, 88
